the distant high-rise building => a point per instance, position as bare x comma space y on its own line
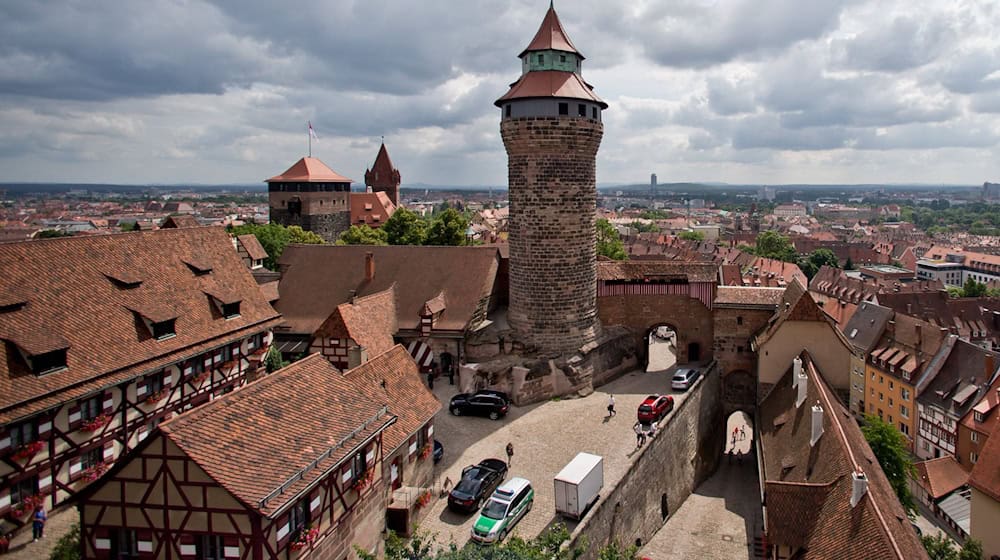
991, 191
652, 180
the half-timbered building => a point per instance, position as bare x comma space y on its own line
293, 466
104, 337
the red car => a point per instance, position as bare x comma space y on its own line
655, 407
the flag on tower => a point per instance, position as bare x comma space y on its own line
312, 133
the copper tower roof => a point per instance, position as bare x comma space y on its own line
551, 36
309, 170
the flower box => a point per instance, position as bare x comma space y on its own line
425, 451
95, 423
27, 506
28, 450
199, 378
4, 545
226, 366
306, 538
95, 472
423, 499
156, 396
365, 481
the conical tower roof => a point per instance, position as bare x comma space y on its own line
382, 161
551, 36
309, 170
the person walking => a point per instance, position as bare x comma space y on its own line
652, 429
611, 405
38, 523
510, 453
640, 436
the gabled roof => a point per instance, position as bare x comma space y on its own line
369, 321
281, 424
985, 475
962, 379
940, 477
68, 295
809, 487
382, 172
179, 221
766, 298
551, 83
609, 270
866, 325
551, 36
318, 278
309, 170
252, 246
372, 209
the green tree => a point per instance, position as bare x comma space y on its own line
971, 288
448, 228
773, 245
273, 361
68, 545
816, 260
609, 243
849, 264
972, 550
52, 233
644, 227
274, 238
691, 235
405, 227
939, 547
362, 235
890, 448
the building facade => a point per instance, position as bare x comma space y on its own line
115, 335
384, 177
551, 128
312, 196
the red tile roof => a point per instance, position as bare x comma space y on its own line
309, 170
372, 209
179, 221
640, 270
252, 246
281, 424
382, 173
985, 475
940, 477
70, 297
551, 83
551, 36
733, 295
369, 321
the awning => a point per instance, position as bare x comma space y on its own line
292, 346
422, 354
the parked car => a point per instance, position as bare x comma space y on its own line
493, 404
505, 508
655, 407
684, 378
438, 451
477, 484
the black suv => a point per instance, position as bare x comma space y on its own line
493, 404
477, 484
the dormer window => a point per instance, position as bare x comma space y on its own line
164, 329
231, 310
198, 266
124, 280
48, 362
979, 416
42, 350
226, 302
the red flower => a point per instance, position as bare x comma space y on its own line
28, 450
27, 505
306, 538
156, 396
95, 423
425, 451
423, 499
95, 472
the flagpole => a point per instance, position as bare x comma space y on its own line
309, 133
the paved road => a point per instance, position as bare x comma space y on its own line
60, 521
716, 522
546, 436
662, 354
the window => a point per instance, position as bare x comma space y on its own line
739, 320
973, 456
562, 58
890, 401
209, 547
880, 397
974, 436
231, 310
906, 394
904, 428
164, 329
978, 416
873, 391
581, 110
890, 418
507, 109
91, 408
124, 544
154, 383
360, 465
541, 59
298, 517
92, 457
873, 376
904, 412
891, 386
22, 489
881, 380
593, 110
23, 433
48, 362
564, 108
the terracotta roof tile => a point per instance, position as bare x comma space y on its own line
69, 296
640, 270
252, 246
372, 209
985, 476
939, 477
309, 170
551, 36
179, 221
280, 424
551, 83
370, 321
732, 295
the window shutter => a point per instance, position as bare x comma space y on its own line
235, 349
109, 402
4, 499
75, 468
208, 361
4, 440
141, 389
231, 547
75, 418
44, 428
315, 501
168, 379
284, 531
44, 481
346, 475
142, 432
413, 447
370, 456
109, 451
144, 542
188, 369
102, 542
188, 546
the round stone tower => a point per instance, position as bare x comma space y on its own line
551, 128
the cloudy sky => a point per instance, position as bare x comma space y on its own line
743, 91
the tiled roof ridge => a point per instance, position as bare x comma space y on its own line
380, 293
823, 391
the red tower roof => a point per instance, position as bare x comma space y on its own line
382, 172
309, 170
551, 36
551, 83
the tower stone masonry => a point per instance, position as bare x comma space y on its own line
551, 129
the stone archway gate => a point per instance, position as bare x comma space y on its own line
640, 295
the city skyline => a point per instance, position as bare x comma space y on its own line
742, 92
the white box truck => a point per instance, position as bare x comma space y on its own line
578, 485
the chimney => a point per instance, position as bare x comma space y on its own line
817, 424
919, 335
859, 486
802, 386
796, 371
369, 267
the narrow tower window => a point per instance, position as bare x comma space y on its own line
564, 108
507, 110
541, 59
581, 110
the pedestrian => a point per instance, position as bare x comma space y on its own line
729, 456
611, 405
739, 457
451, 374
652, 429
510, 453
38, 523
733, 441
743, 432
430, 379
640, 435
